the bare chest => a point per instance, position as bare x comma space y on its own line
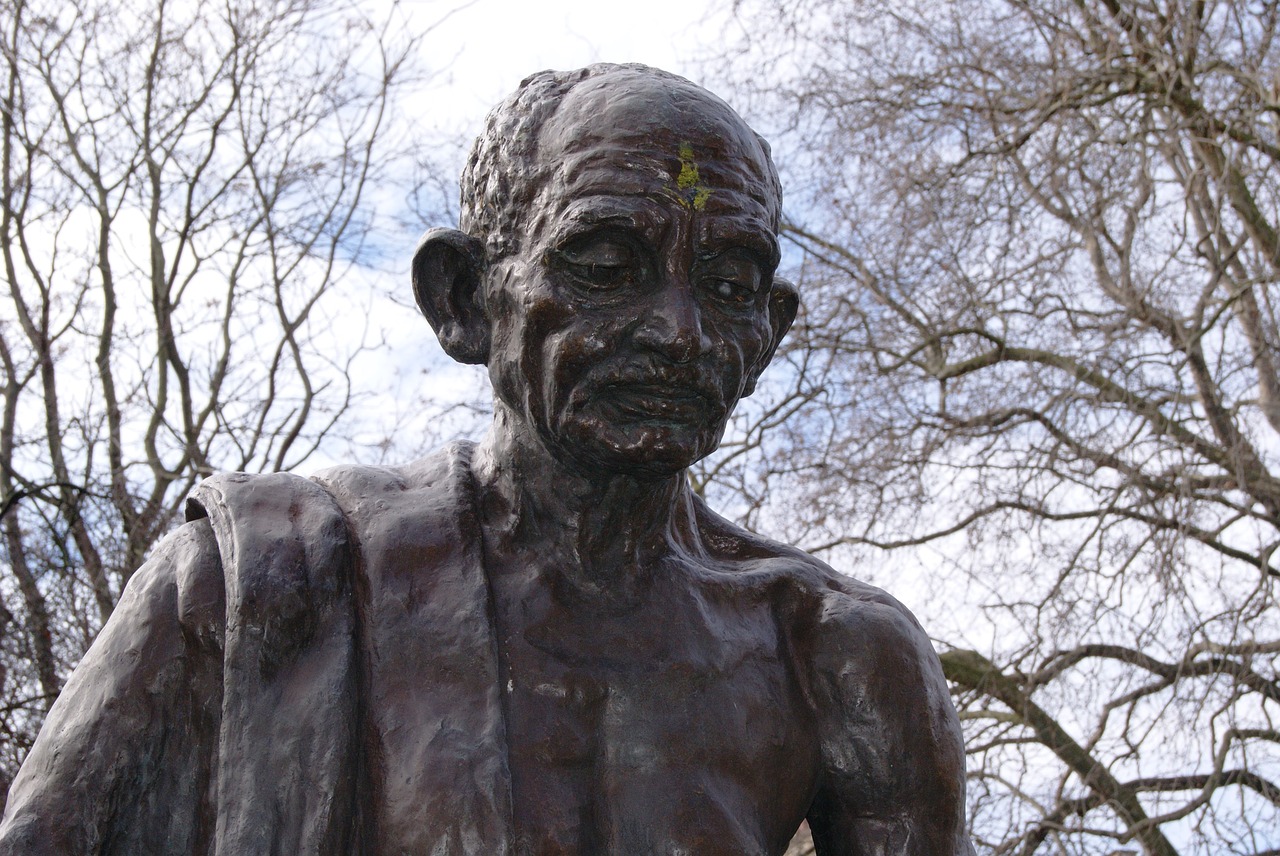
672, 727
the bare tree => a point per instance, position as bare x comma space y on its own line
185, 204
1038, 386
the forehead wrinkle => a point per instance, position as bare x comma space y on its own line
716, 231
713, 156
734, 183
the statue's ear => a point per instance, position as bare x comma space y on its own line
784, 302
447, 269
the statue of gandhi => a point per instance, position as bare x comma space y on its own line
544, 643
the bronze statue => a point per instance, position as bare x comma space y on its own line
545, 643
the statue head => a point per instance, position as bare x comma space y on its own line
615, 266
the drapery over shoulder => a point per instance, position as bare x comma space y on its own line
215, 713
222, 709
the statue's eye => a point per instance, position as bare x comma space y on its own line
602, 263
731, 291
732, 279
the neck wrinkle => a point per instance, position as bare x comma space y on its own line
608, 533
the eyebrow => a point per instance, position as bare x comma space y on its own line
726, 232
632, 212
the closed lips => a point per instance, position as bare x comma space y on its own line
657, 399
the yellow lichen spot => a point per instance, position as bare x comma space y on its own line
688, 178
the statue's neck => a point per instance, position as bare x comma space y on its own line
601, 530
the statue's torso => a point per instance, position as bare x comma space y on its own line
670, 724
505, 712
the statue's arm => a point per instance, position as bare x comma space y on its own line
122, 763
893, 757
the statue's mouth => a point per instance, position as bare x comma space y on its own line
657, 401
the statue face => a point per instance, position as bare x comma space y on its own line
636, 312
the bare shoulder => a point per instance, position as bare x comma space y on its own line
892, 752
850, 637
817, 600
892, 778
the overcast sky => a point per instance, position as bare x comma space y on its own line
487, 47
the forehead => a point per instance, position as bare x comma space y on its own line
668, 141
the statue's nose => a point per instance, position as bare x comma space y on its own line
672, 326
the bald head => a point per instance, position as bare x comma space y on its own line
556, 118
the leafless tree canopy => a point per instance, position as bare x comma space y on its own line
1037, 390
184, 189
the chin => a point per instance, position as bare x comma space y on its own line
652, 451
